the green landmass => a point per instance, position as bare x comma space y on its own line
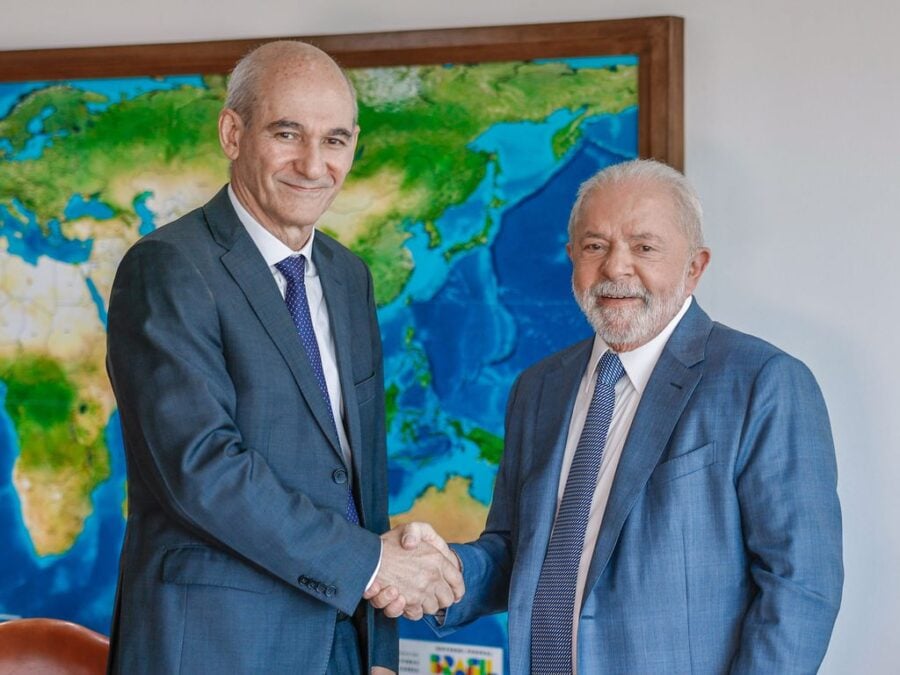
57, 429
62, 452
434, 234
390, 404
391, 263
165, 131
409, 431
68, 113
567, 137
480, 239
490, 445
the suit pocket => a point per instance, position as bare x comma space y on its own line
683, 465
204, 566
366, 389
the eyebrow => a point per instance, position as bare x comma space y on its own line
646, 236
640, 236
290, 124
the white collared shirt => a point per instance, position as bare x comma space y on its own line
273, 250
638, 364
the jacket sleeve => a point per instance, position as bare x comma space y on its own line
487, 563
177, 402
786, 478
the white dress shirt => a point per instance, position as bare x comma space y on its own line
274, 250
638, 364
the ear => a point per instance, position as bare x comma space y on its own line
696, 267
569, 251
353, 141
231, 128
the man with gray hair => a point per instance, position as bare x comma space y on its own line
246, 361
666, 502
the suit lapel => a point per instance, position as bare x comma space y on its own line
668, 391
246, 266
337, 300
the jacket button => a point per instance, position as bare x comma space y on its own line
302, 581
320, 587
330, 591
339, 476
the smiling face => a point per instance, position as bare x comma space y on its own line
290, 161
632, 262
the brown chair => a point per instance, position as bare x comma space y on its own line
51, 647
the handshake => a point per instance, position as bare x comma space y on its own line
419, 574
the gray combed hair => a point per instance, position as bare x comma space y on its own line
687, 202
242, 86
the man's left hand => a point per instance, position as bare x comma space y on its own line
378, 670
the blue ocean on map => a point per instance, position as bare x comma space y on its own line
29, 240
487, 300
484, 316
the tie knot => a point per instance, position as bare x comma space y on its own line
610, 369
292, 267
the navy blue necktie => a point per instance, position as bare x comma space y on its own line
293, 269
554, 601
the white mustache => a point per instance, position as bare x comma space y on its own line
619, 289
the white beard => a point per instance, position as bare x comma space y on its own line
630, 325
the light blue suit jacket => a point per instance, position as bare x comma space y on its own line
238, 555
720, 548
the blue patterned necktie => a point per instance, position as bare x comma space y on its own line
554, 602
293, 269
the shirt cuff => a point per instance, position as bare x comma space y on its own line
377, 568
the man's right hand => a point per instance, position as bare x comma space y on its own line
419, 573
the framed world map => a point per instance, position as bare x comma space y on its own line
473, 144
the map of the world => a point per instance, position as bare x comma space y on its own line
458, 201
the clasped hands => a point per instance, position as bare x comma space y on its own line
419, 574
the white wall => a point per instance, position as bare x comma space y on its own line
792, 140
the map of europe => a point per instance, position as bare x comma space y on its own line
458, 201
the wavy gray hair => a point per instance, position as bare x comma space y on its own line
687, 202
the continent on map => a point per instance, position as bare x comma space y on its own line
468, 514
52, 352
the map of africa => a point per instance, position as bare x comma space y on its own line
458, 201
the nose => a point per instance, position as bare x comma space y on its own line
310, 162
618, 263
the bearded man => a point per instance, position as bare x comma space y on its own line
667, 497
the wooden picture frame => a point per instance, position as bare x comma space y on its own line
657, 41
654, 44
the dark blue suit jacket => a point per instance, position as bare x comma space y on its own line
237, 555
720, 547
